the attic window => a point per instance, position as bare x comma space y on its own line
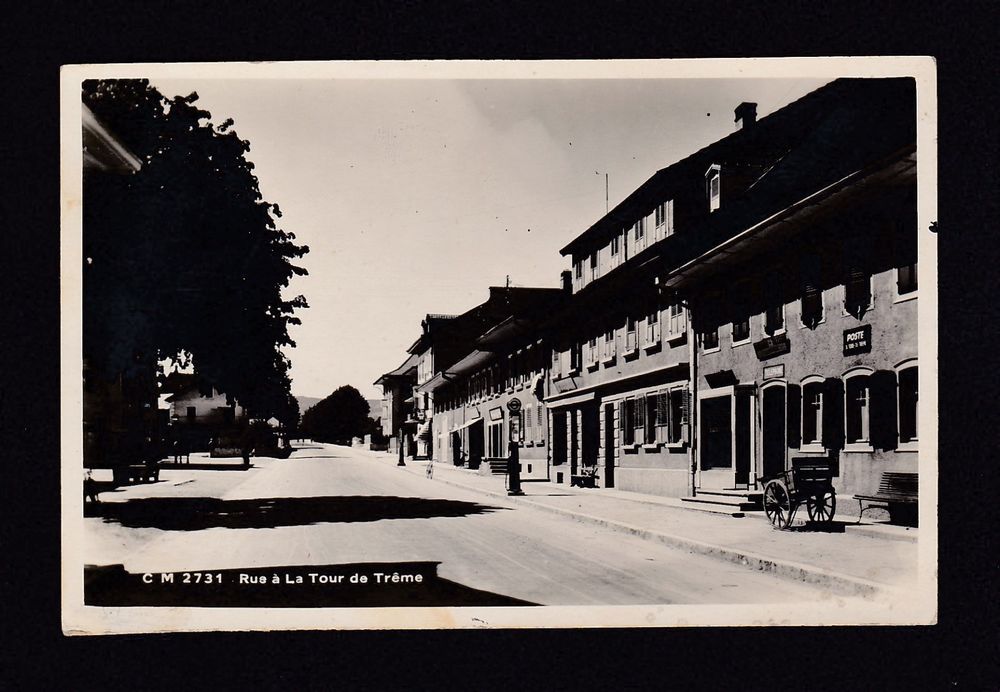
713, 185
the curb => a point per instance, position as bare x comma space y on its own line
811, 574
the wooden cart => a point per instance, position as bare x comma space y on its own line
810, 480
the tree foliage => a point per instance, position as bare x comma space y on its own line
184, 259
339, 417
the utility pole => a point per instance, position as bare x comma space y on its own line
606, 196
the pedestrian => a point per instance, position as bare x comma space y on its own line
90, 491
247, 446
430, 469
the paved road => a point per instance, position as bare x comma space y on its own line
330, 505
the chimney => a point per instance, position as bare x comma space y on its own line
567, 281
746, 115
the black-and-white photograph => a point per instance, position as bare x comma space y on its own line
472, 344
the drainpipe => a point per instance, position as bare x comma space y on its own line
693, 398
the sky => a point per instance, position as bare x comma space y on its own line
416, 195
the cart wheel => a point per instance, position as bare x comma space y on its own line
777, 504
822, 507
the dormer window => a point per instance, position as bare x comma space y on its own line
713, 187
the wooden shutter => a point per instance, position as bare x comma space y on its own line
794, 416
882, 392
833, 414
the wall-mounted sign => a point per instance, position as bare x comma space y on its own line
514, 405
771, 346
774, 371
496, 413
858, 340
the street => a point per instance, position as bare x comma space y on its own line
341, 508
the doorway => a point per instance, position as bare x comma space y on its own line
477, 444
716, 459
773, 430
558, 438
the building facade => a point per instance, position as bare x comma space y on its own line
754, 302
399, 421
473, 397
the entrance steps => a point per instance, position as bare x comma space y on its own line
498, 467
732, 501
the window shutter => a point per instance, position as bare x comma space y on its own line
882, 389
794, 416
685, 414
833, 414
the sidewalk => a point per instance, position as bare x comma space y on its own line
850, 558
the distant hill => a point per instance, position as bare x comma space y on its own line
307, 402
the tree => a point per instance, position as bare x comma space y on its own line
184, 259
339, 417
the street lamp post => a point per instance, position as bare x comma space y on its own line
400, 446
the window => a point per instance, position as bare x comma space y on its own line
857, 409
653, 328
529, 419
592, 351
906, 279
908, 399
713, 188
652, 420
662, 417
615, 244
575, 357
678, 414
812, 413
811, 276
665, 219
774, 310
639, 422
640, 228
857, 292
578, 269
630, 336
593, 265
540, 420
556, 363
774, 320
609, 344
709, 339
677, 321
741, 330
626, 420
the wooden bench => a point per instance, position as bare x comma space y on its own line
898, 493
583, 480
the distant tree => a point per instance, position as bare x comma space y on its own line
184, 260
338, 418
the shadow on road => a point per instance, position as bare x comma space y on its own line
198, 513
359, 585
817, 527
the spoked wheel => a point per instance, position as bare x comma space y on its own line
777, 504
822, 507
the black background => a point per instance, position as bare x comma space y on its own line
960, 653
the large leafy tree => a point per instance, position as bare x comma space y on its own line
339, 417
185, 260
